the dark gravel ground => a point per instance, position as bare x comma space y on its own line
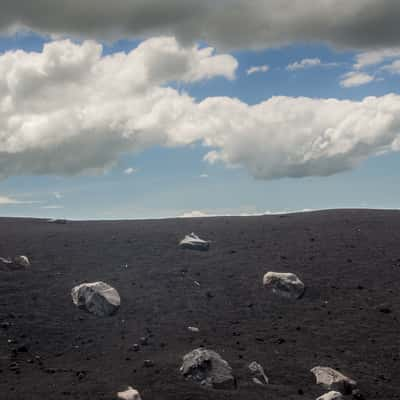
348, 318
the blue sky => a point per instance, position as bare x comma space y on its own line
164, 181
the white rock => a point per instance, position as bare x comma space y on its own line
193, 329
193, 242
331, 396
22, 261
284, 284
333, 380
258, 374
97, 298
129, 394
208, 368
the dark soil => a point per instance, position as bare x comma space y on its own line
348, 318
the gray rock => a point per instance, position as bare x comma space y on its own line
193, 242
331, 396
129, 394
98, 298
21, 261
331, 379
208, 368
284, 284
258, 374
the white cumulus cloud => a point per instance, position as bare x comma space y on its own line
393, 68
259, 68
6, 201
374, 57
70, 109
305, 63
195, 214
309, 63
130, 171
354, 78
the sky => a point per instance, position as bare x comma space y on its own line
164, 108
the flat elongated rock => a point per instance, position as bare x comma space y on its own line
331, 396
284, 284
129, 394
193, 242
333, 380
208, 368
98, 298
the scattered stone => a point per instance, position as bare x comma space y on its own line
209, 294
144, 340
193, 329
148, 363
5, 325
193, 242
5, 260
14, 367
24, 348
135, 347
129, 394
21, 261
284, 284
258, 373
331, 396
98, 298
384, 309
356, 393
333, 380
57, 221
81, 375
208, 368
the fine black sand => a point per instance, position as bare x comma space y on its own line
348, 318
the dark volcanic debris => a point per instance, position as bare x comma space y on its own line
347, 318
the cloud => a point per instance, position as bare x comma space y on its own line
130, 171
58, 195
224, 23
353, 78
393, 68
309, 63
6, 201
236, 213
70, 110
204, 176
296, 137
260, 68
375, 57
305, 63
195, 214
52, 207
